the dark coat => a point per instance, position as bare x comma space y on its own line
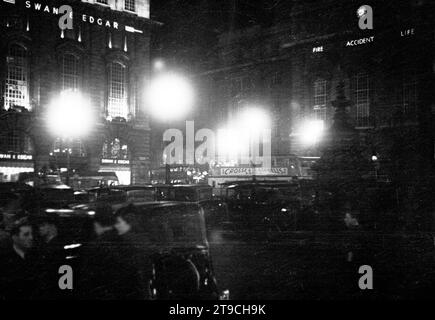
134, 270
99, 268
51, 258
18, 276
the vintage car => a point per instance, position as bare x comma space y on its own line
215, 209
182, 264
262, 205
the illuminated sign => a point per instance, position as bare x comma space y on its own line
352, 43
16, 156
231, 171
36, 6
9, 1
115, 161
407, 32
318, 49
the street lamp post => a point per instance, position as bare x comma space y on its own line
169, 96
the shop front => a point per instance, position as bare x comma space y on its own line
12, 164
116, 158
220, 175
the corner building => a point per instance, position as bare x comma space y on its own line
105, 57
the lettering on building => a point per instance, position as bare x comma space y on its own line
36, 6
407, 32
352, 43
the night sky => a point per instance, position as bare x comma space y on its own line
190, 27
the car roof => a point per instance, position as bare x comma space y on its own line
192, 186
14, 185
159, 204
132, 187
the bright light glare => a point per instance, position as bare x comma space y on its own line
70, 115
254, 119
361, 11
159, 65
169, 96
312, 132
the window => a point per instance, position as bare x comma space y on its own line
70, 72
320, 99
115, 150
130, 5
102, 1
17, 78
362, 100
117, 102
14, 141
409, 88
76, 147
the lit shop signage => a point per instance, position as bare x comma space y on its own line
115, 161
44, 8
357, 42
16, 156
252, 171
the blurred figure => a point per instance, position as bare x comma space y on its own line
4, 236
134, 254
100, 261
49, 236
51, 257
18, 267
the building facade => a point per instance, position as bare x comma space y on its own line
104, 57
292, 67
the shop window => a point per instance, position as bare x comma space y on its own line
115, 149
75, 147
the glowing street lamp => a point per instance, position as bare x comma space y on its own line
69, 117
169, 96
254, 119
311, 132
242, 135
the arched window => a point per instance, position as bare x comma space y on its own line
115, 149
76, 148
17, 77
320, 99
117, 100
70, 72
